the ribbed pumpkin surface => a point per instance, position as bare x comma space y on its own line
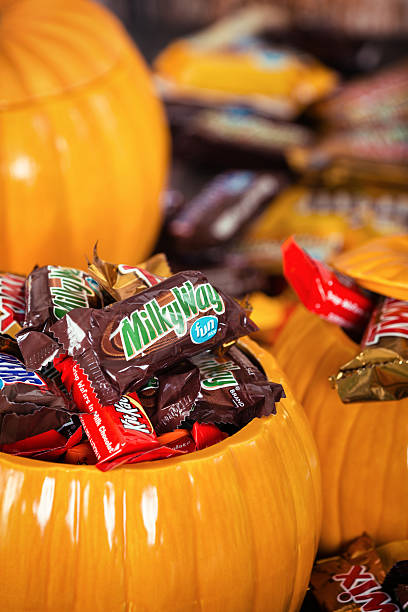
83, 142
231, 528
380, 265
362, 447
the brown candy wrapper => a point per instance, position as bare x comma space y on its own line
122, 281
221, 211
233, 137
12, 303
233, 390
352, 580
214, 388
29, 403
52, 292
380, 370
120, 347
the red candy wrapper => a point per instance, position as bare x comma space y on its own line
49, 445
206, 434
12, 303
337, 300
113, 431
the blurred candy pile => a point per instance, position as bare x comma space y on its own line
269, 142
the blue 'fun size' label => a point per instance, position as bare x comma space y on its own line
204, 329
13, 371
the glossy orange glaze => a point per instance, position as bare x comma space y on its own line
83, 140
362, 446
233, 527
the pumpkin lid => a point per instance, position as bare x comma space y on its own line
48, 47
380, 265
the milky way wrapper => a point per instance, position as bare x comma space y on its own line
12, 303
214, 388
120, 347
380, 371
352, 580
122, 281
52, 292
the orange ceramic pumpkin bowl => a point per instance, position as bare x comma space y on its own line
232, 528
83, 140
362, 446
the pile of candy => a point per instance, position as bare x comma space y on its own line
123, 364
268, 142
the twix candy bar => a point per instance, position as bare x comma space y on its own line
352, 581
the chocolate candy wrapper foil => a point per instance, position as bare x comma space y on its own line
120, 347
12, 303
352, 580
380, 371
122, 281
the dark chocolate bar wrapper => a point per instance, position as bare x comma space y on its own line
233, 390
221, 211
177, 390
12, 303
215, 388
380, 371
19, 386
396, 584
29, 403
120, 347
352, 580
51, 292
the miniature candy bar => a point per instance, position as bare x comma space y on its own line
380, 370
120, 347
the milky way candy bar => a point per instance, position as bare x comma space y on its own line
120, 347
232, 389
380, 370
12, 303
224, 388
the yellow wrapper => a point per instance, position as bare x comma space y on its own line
227, 64
122, 281
325, 221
